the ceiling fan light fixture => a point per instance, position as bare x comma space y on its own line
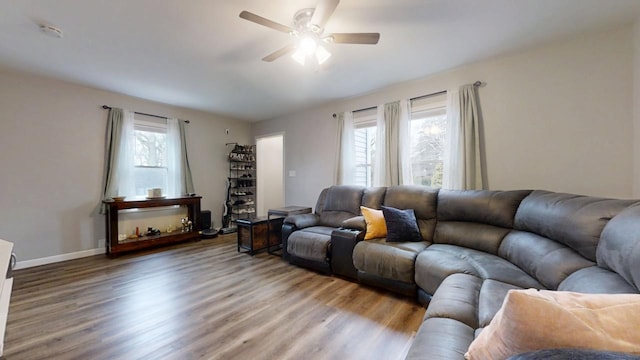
299, 56
308, 45
308, 33
322, 54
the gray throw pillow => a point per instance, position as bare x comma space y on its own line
401, 225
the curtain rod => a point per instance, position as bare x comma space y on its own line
476, 84
106, 107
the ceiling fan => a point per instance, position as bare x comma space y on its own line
308, 30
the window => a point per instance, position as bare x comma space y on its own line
428, 126
150, 158
424, 146
365, 146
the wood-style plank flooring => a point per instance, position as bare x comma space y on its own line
201, 300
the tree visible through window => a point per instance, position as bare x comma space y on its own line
150, 159
426, 145
428, 130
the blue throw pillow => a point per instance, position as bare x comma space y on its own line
401, 225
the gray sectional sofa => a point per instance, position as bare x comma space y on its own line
476, 246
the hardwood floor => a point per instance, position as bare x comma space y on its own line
201, 300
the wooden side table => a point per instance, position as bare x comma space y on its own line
277, 228
255, 235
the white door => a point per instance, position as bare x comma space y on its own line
270, 173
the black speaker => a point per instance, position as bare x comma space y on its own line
205, 219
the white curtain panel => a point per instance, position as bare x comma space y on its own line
345, 164
379, 161
125, 158
392, 165
119, 149
404, 139
179, 180
390, 174
462, 166
174, 149
452, 173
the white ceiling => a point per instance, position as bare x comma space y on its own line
199, 54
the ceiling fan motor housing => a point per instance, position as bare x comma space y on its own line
302, 22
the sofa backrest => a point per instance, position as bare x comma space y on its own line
339, 203
476, 219
373, 197
557, 234
573, 220
619, 246
421, 199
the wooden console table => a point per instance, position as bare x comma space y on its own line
115, 247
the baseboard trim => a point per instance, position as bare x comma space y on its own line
58, 258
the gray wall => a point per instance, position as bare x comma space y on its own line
557, 117
52, 137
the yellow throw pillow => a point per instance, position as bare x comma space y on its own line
376, 227
531, 320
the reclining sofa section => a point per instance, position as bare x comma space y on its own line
476, 246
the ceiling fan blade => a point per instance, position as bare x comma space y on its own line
355, 38
265, 22
278, 53
323, 12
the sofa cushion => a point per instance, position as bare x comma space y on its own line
596, 280
341, 203
301, 221
401, 225
619, 248
495, 208
354, 223
373, 197
573, 220
457, 298
419, 198
476, 219
441, 260
441, 339
394, 261
311, 243
547, 261
532, 320
573, 354
483, 237
492, 294
468, 299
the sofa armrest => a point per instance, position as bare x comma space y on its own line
342, 243
12, 265
355, 223
287, 229
301, 221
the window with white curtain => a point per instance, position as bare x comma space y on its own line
427, 127
150, 158
364, 123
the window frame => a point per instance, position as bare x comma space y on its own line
154, 125
427, 107
365, 119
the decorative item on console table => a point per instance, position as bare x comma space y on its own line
115, 246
